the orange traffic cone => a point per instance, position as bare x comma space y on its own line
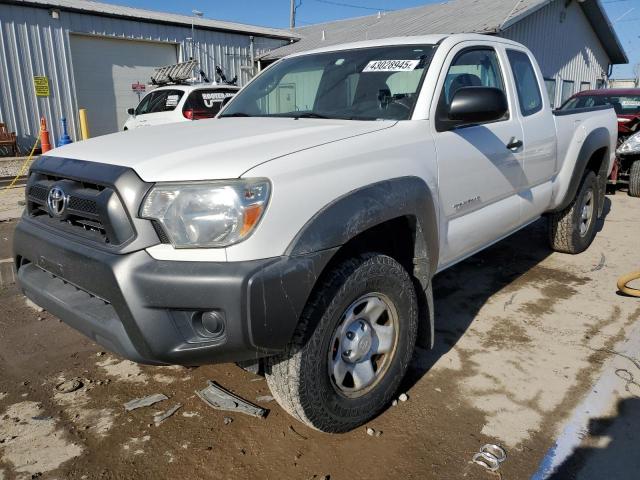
44, 136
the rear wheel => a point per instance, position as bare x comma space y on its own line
634, 179
573, 229
352, 346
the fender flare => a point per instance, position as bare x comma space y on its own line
596, 140
366, 207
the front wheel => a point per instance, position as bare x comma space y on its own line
352, 346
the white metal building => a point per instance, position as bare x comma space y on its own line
91, 54
573, 40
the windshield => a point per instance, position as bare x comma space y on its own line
364, 84
622, 104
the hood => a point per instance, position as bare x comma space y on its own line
212, 149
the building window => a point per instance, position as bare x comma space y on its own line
550, 83
526, 82
585, 86
567, 90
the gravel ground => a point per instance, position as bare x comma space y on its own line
523, 335
11, 166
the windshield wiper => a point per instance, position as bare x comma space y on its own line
309, 115
236, 114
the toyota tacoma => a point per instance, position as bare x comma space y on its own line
303, 227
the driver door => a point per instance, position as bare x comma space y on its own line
480, 167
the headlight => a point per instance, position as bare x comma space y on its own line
211, 214
631, 145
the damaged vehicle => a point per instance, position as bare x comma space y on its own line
626, 103
302, 228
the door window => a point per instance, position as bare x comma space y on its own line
527, 87
473, 68
476, 67
159, 101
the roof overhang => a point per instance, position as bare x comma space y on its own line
601, 24
151, 16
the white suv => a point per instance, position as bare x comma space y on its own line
179, 103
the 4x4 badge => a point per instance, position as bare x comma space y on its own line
57, 201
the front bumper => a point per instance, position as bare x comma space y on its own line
147, 310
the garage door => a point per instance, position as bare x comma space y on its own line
104, 70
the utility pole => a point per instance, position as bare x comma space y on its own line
292, 15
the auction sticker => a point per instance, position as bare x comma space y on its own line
391, 65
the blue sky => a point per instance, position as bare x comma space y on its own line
624, 14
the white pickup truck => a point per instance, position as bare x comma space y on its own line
303, 227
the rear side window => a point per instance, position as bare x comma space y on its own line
529, 95
206, 103
159, 101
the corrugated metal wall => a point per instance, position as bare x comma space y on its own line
564, 44
33, 43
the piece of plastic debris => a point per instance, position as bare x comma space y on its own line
487, 461
403, 397
495, 450
161, 417
490, 457
221, 399
69, 386
370, 431
394, 403
378, 433
145, 402
265, 398
228, 420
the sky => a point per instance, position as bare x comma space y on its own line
624, 15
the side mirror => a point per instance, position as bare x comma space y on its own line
477, 105
131, 111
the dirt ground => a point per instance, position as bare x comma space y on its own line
523, 335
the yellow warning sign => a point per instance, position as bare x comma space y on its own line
42, 86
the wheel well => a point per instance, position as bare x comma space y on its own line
597, 163
395, 238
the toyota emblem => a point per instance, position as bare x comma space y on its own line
57, 201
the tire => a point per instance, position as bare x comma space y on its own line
569, 230
300, 379
634, 179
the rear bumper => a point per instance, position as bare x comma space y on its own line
147, 310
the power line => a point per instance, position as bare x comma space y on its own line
350, 5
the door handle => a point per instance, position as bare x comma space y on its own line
514, 144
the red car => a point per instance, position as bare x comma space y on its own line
626, 102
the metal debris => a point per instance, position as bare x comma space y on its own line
161, 417
221, 399
403, 397
42, 418
145, 402
394, 403
297, 433
69, 386
228, 420
370, 431
601, 264
265, 398
490, 457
